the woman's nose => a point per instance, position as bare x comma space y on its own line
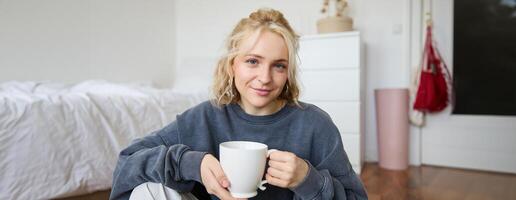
264, 75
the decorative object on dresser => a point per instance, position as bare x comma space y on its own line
331, 74
338, 23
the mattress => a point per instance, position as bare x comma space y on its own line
59, 140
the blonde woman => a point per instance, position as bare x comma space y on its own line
255, 99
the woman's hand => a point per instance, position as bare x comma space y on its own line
214, 179
286, 170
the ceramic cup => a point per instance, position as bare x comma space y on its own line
243, 163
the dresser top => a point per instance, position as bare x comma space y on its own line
330, 35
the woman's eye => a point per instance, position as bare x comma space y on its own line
252, 61
281, 66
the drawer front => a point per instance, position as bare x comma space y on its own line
351, 143
330, 85
345, 115
330, 53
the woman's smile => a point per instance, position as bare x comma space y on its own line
262, 92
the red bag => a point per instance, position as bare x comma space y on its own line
432, 94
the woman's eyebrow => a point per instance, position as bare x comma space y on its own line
261, 57
255, 55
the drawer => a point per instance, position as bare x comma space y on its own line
329, 53
330, 85
351, 143
345, 115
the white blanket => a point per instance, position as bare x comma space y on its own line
61, 140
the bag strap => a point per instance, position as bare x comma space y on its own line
426, 50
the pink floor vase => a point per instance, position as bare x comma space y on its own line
392, 122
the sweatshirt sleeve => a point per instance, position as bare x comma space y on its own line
320, 184
330, 174
157, 158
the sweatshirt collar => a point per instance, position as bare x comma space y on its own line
265, 119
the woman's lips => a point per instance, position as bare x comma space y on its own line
262, 92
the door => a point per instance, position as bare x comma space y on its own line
465, 141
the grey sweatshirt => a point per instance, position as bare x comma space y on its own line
172, 155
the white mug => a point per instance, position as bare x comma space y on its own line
243, 163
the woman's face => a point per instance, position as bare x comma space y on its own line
261, 72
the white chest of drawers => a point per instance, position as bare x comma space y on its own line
331, 76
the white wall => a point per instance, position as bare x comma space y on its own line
203, 26
74, 40
129, 40
383, 28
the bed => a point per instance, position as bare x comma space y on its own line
59, 140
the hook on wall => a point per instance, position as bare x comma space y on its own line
429, 21
428, 14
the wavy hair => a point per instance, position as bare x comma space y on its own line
224, 89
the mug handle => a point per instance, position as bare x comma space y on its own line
261, 184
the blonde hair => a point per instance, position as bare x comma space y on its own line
224, 89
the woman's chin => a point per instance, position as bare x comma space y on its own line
260, 105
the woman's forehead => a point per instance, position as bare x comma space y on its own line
264, 44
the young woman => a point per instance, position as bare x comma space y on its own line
256, 99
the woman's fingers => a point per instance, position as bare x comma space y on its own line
218, 190
286, 169
222, 182
279, 174
282, 156
276, 181
221, 193
282, 166
214, 179
219, 175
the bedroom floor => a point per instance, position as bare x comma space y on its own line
418, 183
437, 183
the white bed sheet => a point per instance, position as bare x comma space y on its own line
60, 140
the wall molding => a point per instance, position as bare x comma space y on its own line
412, 45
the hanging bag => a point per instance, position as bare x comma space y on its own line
432, 94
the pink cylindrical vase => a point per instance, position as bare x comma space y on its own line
392, 122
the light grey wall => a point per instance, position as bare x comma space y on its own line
75, 40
